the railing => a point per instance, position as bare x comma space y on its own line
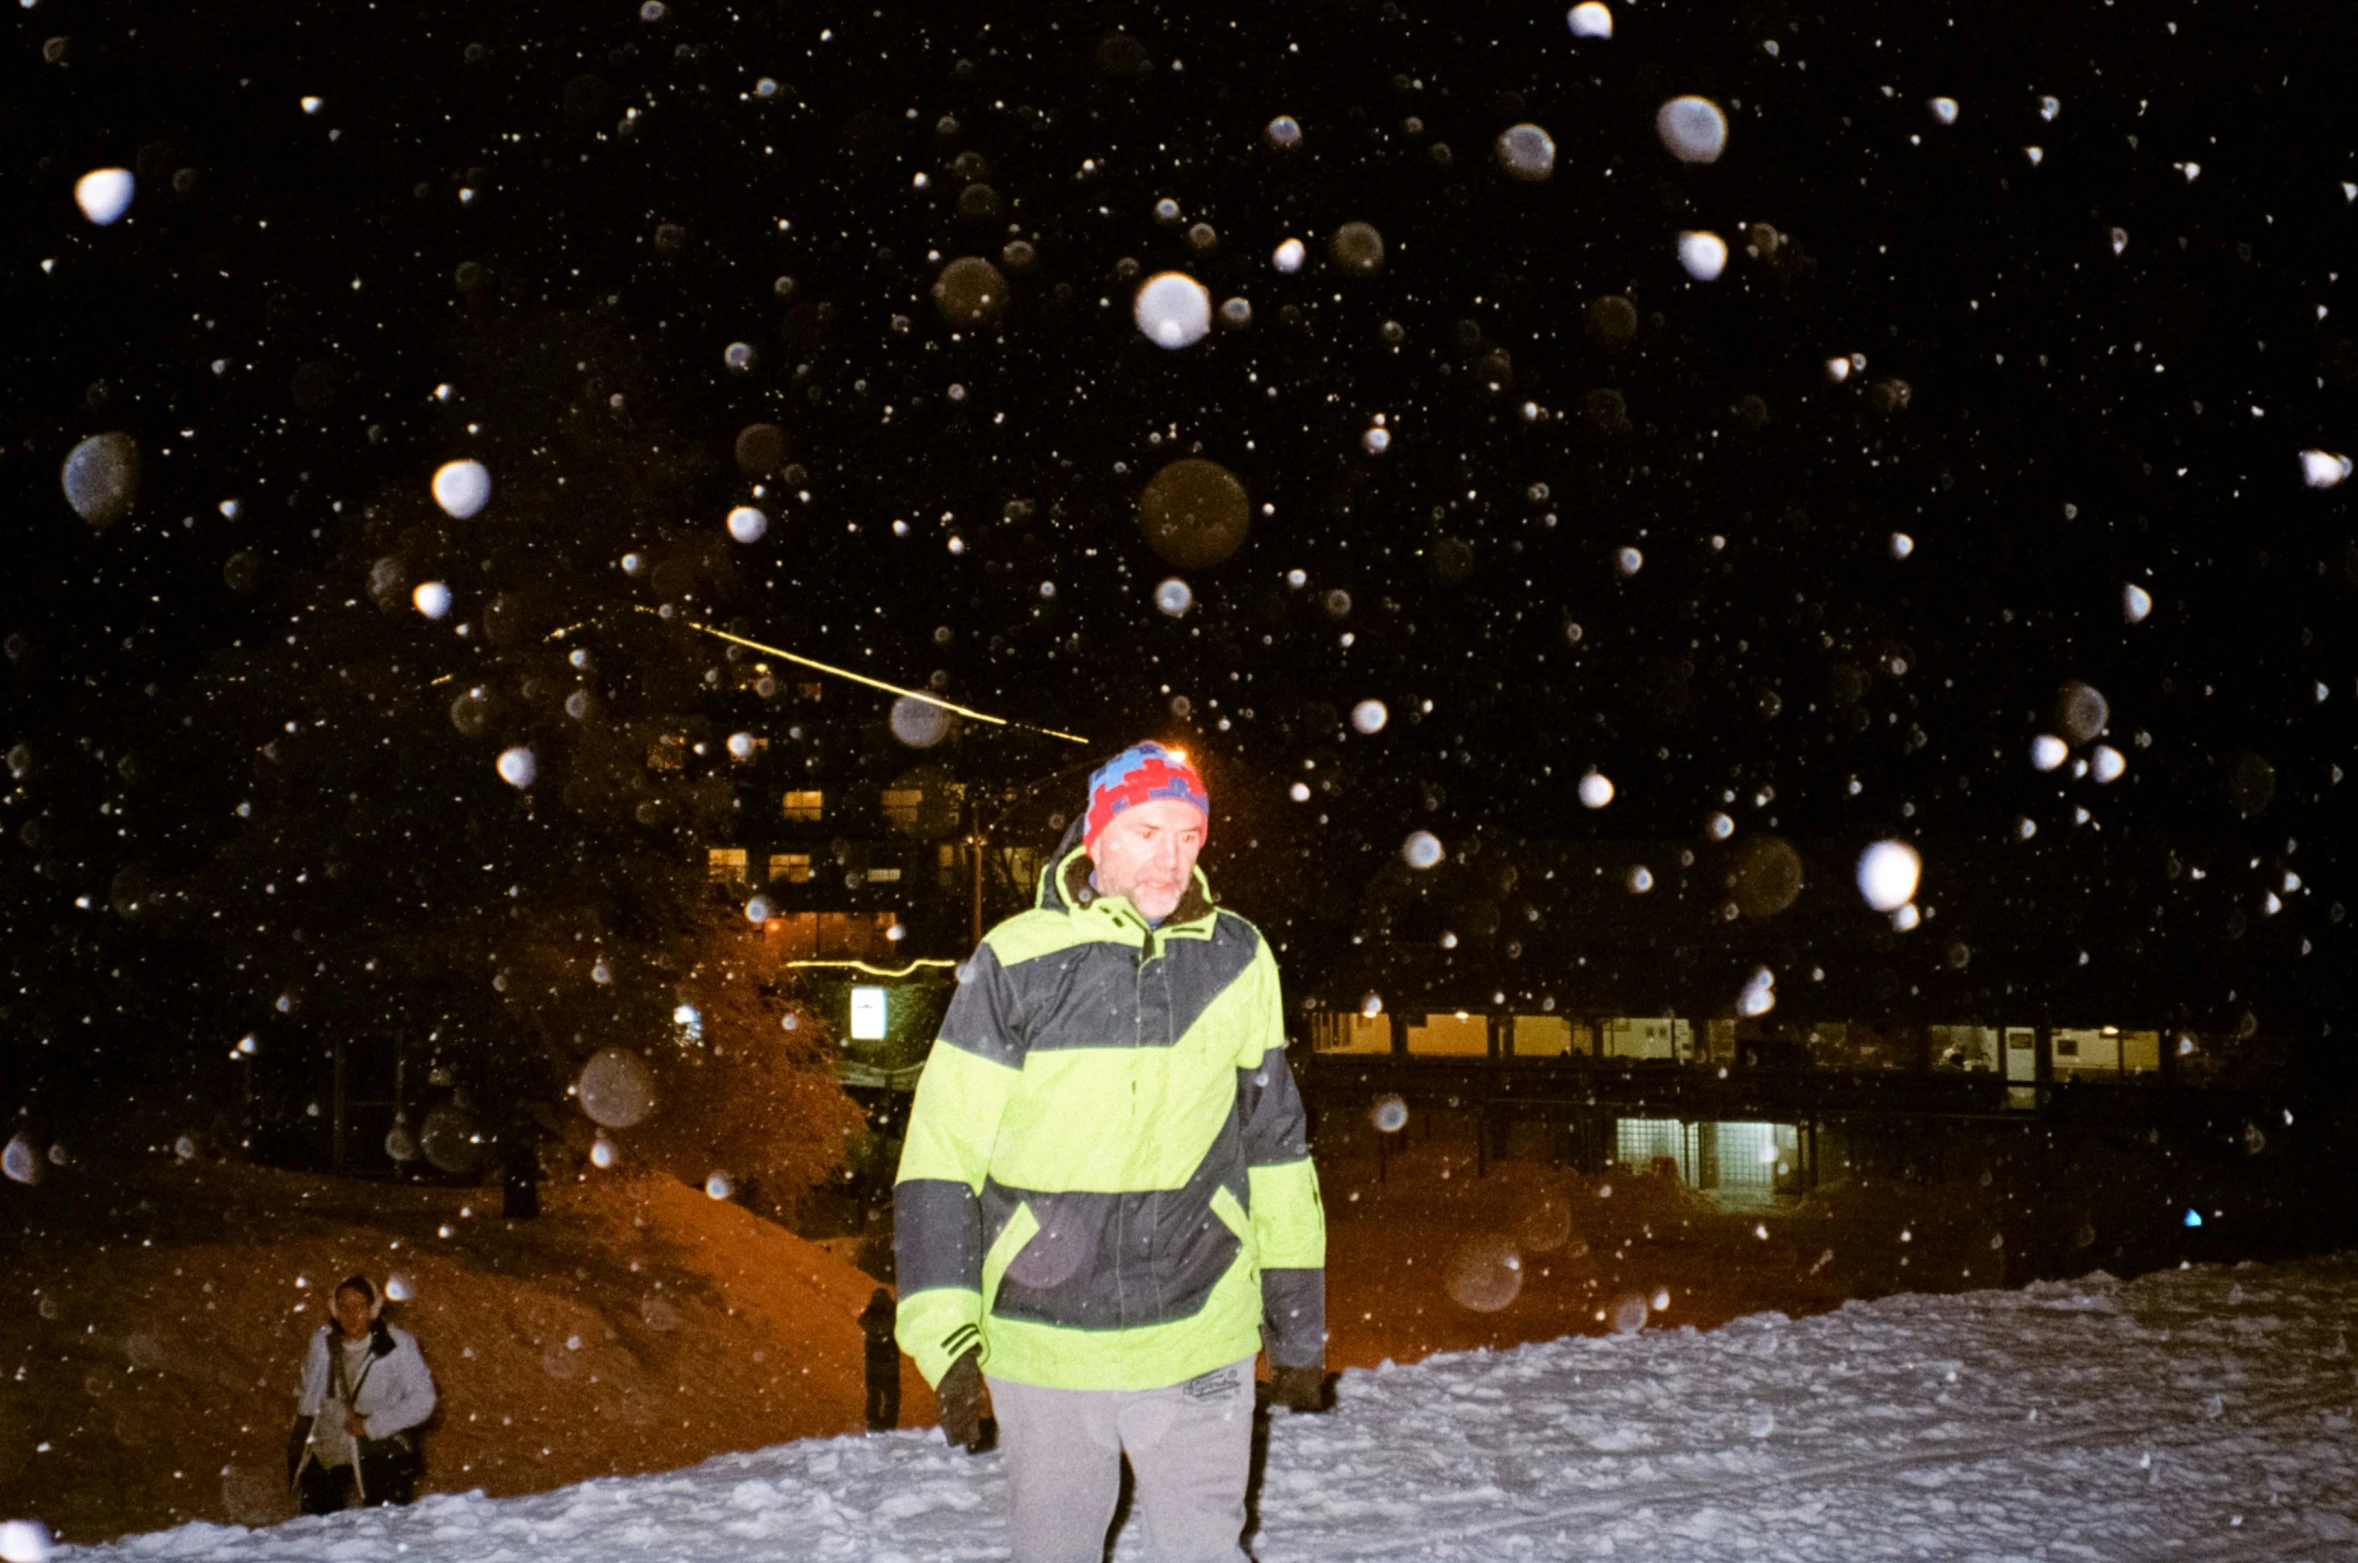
1571, 1084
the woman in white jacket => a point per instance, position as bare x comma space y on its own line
366, 1392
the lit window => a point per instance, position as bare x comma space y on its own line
1656, 1145
790, 868
804, 806
726, 864
867, 1014
884, 876
902, 805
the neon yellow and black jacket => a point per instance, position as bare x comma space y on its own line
1106, 1182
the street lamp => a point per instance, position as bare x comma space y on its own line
978, 834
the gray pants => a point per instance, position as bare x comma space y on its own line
1190, 1449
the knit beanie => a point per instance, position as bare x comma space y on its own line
1134, 776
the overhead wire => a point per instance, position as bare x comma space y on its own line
861, 678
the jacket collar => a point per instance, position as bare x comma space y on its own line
1065, 887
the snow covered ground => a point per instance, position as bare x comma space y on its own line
2198, 1414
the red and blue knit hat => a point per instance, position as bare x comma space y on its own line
1136, 775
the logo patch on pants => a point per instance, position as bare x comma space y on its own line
1215, 1385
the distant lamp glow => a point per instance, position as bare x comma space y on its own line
2193, 1216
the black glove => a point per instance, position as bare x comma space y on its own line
960, 1394
1300, 1388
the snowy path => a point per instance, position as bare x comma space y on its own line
2193, 1414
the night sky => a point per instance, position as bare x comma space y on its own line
2077, 374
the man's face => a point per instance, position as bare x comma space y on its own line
1148, 854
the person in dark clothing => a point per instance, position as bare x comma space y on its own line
884, 1364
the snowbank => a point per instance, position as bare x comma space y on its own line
2188, 1414
158, 1313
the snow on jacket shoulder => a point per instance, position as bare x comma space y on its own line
1106, 1181
397, 1395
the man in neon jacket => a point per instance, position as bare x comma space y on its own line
1106, 1201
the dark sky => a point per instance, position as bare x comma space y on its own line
2087, 372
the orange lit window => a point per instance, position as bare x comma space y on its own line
902, 806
